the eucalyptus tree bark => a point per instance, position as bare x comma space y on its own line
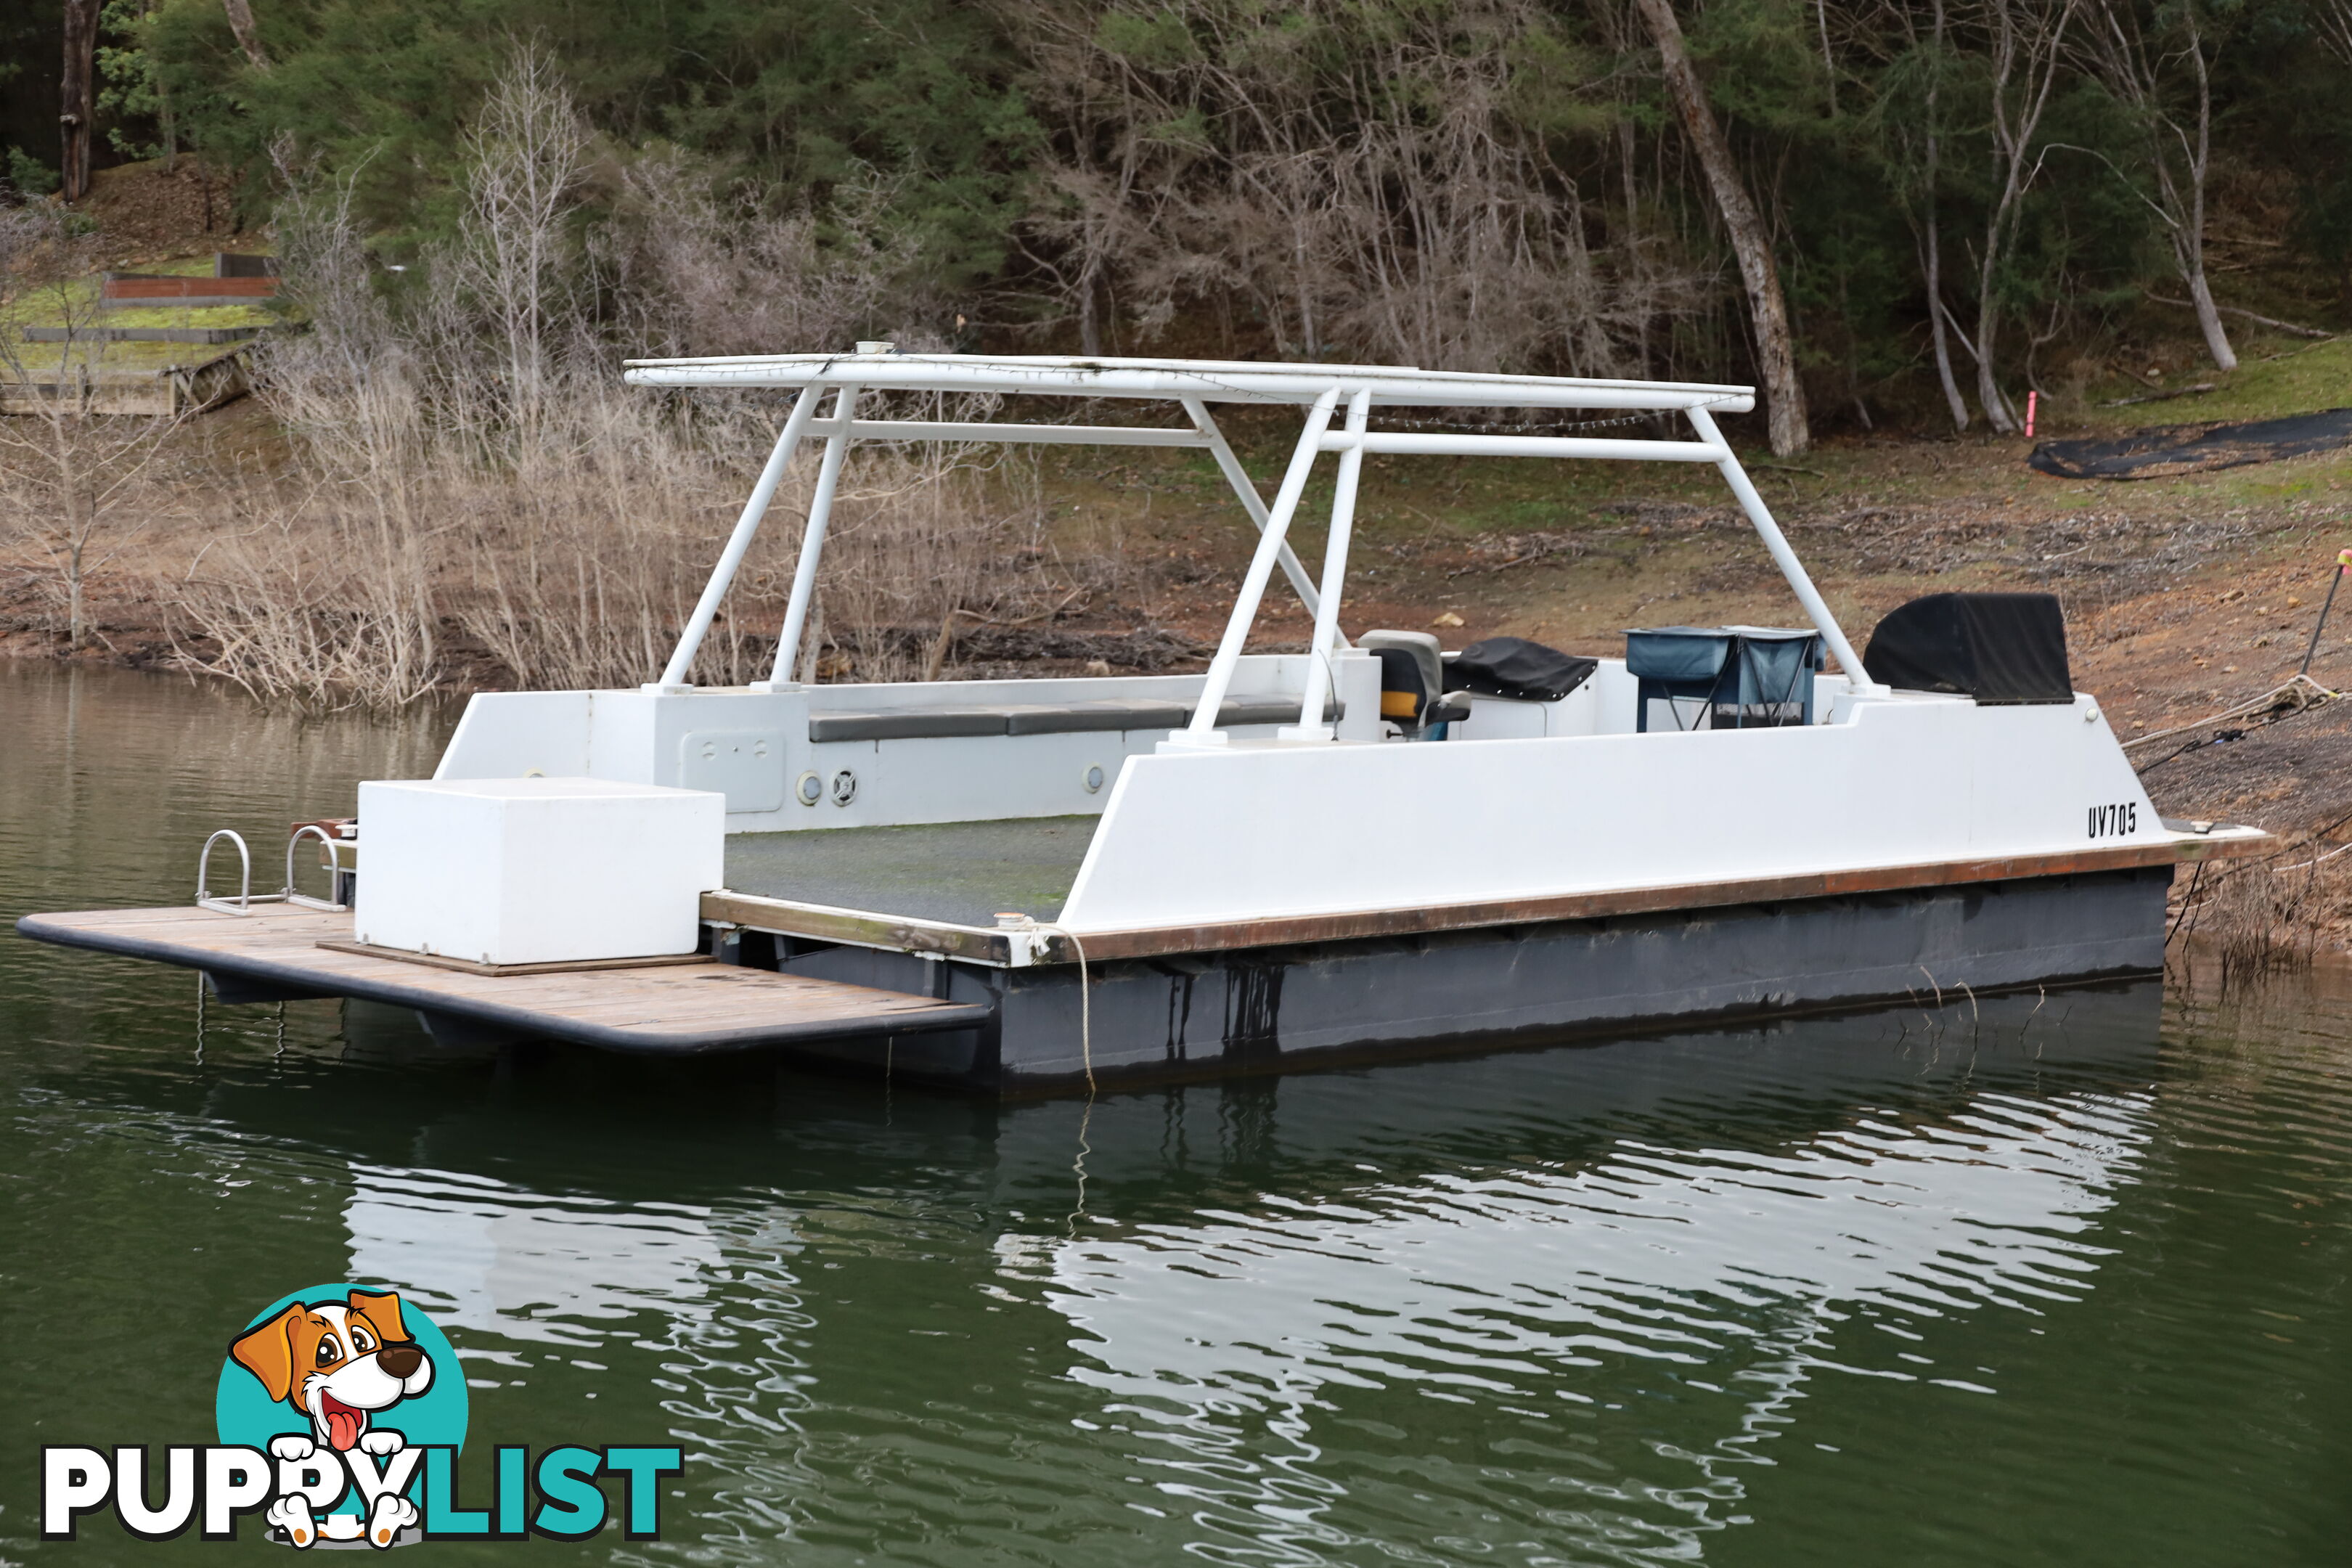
2179, 135
77, 96
248, 36
1776, 350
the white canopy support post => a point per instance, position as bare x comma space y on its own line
1310, 725
1252, 502
1785, 558
820, 513
674, 678
1202, 732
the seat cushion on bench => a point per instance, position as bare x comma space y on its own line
1236, 711
906, 723
1061, 719
1049, 719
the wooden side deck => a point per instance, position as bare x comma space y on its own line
896, 927
667, 1008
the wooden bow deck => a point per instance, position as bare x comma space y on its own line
670, 1007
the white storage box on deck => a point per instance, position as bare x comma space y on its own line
536, 870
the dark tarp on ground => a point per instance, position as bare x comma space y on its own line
1514, 667
1995, 647
2163, 450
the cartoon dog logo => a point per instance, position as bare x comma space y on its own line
339, 1363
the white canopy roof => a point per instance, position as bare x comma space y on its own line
1208, 380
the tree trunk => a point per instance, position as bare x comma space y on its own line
2191, 246
1776, 352
248, 36
1997, 410
74, 601
1089, 330
2209, 319
1935, 260
76, 95
1936, 329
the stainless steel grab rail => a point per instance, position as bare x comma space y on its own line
335, 870
242, 905
245, 900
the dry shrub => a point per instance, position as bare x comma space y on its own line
2265, 917
925, 539
470, 475
706, 273
1367, 184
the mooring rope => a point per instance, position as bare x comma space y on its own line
1086, 1057
1085, 1001
2252, 705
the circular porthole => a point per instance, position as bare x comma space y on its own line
845, 787
1092, 778
808, 789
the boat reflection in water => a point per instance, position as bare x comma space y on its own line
1613, 1275
485, 1255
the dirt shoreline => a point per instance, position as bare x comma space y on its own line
2174, 612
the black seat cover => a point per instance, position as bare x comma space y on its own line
1514, 667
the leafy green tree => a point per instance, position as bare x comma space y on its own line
798, 97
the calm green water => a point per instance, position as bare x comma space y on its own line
2063, 1284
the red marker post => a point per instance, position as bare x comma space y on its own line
2343, 564
2032, 403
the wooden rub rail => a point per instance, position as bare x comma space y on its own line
980, 946
670, 1009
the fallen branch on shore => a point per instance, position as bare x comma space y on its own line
2249, 315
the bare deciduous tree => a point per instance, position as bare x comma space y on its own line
518, 257
73, 482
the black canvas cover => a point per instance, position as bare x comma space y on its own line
2163, 450
1995, 647
1514, 667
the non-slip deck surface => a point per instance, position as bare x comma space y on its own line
963, 872
684, 1007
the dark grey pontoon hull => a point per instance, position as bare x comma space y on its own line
1273, 1009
